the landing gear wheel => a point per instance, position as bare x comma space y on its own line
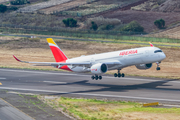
96, 77
158, 68
92, 77
123, 75
100, 77
119, 75
115, 74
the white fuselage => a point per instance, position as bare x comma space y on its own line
129, 57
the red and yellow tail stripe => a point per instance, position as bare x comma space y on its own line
57, 52
151, 44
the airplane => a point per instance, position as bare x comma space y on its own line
98, 64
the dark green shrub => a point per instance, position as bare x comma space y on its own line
133, 27
19, 2
159, 23
109, 27
162, 22
3, 8
106, 27
94, 26
70, 22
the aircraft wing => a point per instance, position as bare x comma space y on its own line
53, 63
60, 64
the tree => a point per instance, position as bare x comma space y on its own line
94, 26
159, 23
133, 27
70, 22
3, 8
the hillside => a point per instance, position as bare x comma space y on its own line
168, 6
146, 19
43, 13
159, 6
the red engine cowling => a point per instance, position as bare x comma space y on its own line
99, 68
144, 66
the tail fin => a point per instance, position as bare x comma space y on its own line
151, 44
57, 52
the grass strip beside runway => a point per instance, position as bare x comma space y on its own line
93, 109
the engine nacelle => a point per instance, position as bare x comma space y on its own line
99, 68
144, 66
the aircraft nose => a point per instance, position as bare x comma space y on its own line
163, 56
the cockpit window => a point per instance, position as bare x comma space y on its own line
157, 51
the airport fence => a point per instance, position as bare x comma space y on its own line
113, 35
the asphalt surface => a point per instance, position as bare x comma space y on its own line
8, 112
24, 106
80, 85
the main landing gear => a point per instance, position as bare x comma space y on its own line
158, 68
96, 77
119, 74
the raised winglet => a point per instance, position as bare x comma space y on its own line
16, 58
19, 60
151, 44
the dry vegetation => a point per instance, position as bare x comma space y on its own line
144, 18
35, 7
159, 6
146, 6
102, 21
149, 5
31, 20
62, 7
171, 33
92, 109
39, 51
90, 6
88, 9
168, 6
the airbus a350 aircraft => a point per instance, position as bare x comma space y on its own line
99, 64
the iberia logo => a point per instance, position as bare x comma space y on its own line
128, 52
93, 69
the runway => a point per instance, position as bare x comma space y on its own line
80, 85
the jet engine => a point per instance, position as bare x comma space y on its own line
99, 68
144, 66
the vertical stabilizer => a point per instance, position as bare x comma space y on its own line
57, 52
151, 44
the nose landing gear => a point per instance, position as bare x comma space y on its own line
119, 74
158, 68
